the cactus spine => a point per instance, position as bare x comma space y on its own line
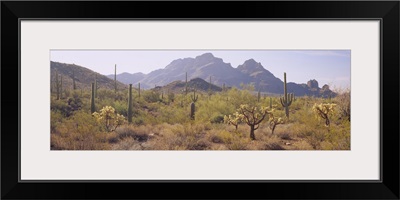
192, 105
92, 104
130, 104
287, 99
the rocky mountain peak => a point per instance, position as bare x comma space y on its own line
250, 66
312, 83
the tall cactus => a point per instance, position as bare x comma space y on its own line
139, 90
287, 99
92, 104
258, 95
186, 86
209, 89
61, 89
115, 77
57, 86
270, 103
130, 104
95, 86
192, 105
73, 80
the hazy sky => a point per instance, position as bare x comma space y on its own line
326, 66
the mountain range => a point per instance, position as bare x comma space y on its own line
83, 77
206, 65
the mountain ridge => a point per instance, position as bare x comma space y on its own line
206, 65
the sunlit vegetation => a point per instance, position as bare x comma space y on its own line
231, 119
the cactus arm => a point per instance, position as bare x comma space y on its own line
282, 101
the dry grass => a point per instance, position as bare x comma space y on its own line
303, 131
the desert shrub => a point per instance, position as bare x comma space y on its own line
238, 143
285, 136
273, 146
343, 102
151, 96
216, 119
60, 106
74, 103
138, 133
56, 118
303, 145
127, 144
67, 93
80, 132
238, 97
225, 136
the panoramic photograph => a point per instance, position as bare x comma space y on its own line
200, 100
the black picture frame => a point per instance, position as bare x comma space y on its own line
386, 11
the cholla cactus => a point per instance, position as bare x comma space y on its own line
324, 111
273, 122
234, 119
253, 116
109, 118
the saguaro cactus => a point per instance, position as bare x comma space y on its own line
270, 103
92, 104
73, 80
258, 95
61, 90
287, 99
130, 104
57, 86
139, 90
115, 77
95, 86
209, 88
192, 105
186, 86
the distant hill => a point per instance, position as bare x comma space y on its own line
206, 65
196, 83
83, 76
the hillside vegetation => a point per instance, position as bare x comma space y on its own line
196, 118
